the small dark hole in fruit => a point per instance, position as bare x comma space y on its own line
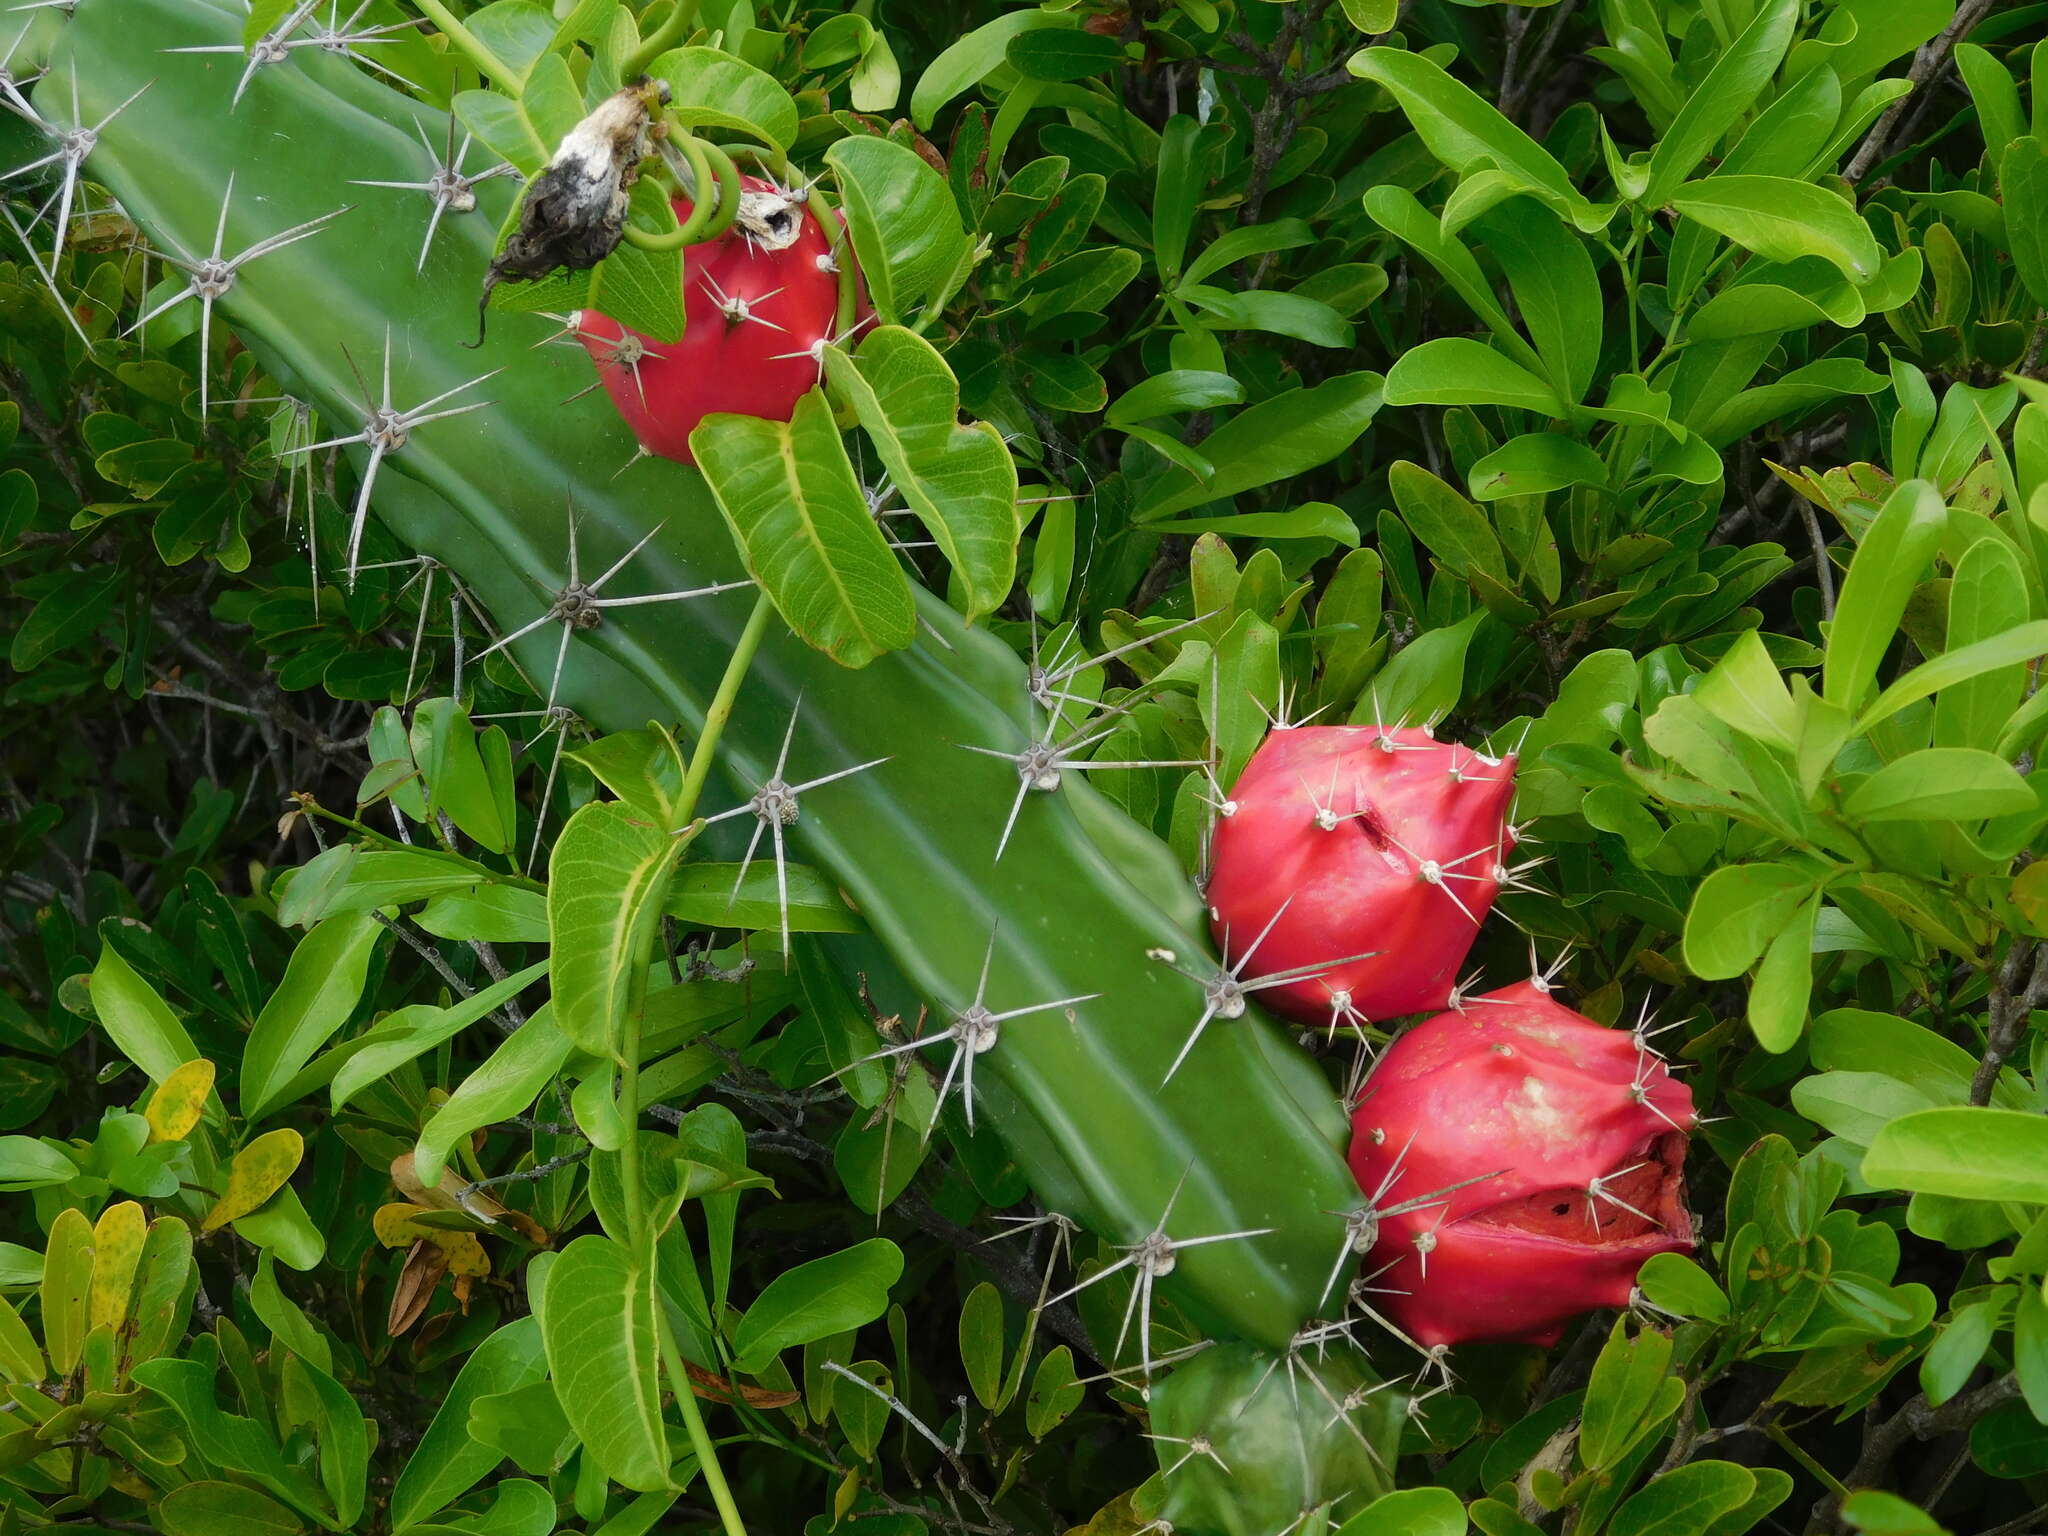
1369, 821
1561, 1210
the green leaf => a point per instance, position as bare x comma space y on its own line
1736, 912
1784, 982
2023, 188
1677, 1284
1409, 1512
1170, 393
447, 1463
1469, 134
1055, 1392
1533, 464
444, 746
26, 1163
1455, 370
1782, 220
964, 62
1557, 293
1281, 314
1744, 690
1238, 691
1247, 240
510, 1080
322, 984
710, 88
1731, 88
1629, 1376
816, 1300
408, 1033
1062, 54
719, 896
1454, 530
288, 1325
69, 610
1889, 563
606, 879
223, 1509
959, 480
1311, 520
1425, 681
794, 504
981, 1342
1964, 1151
904, 223
1941, 784
598, 1326
136, 1018
1685, 1502
2007, 652
1287, 435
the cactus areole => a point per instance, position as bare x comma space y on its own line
1526, 1161
758, 305
1342, 842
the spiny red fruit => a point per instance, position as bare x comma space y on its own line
754, 317
1349, 839
1575, 1134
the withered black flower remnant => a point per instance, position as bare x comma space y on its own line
574, 214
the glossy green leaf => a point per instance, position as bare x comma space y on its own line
816, 1300
137, 1018
1889, 562
223, 1509
959, 480
1939, 784
1466, 132
1731, 88
447, 1463
1409, 1512
1685, 1502
510, 1080
1964, 1151
710, 88
1737, 911
904, 223
1290, 433
1782, 220
321, 987
981, 1342
794, 504
411, 1032
1453, 370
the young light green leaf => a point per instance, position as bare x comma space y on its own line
139, 1021
605, 883
959, 480
1685, 1502
1736, 912
711, 88
1964, 1151
1889, 563
794, 504
1782, 220
1779, 997
1940, 784
510, 1080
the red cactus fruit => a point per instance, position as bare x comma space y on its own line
757, 303
1340, 840
1522, 1162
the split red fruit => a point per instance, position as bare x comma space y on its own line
758, 302
1346, 841
1523, 1162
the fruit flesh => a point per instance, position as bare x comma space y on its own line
1576, 1137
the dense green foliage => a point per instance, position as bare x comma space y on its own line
415, 1116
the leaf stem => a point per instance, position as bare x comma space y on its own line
642, 1240
474, 48
721, 706
660, 40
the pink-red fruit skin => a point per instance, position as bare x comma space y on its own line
1583, 1135
1374, 839
760, 365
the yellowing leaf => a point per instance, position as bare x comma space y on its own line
179, 1101
117, 1250
400, 1226
260, 1169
